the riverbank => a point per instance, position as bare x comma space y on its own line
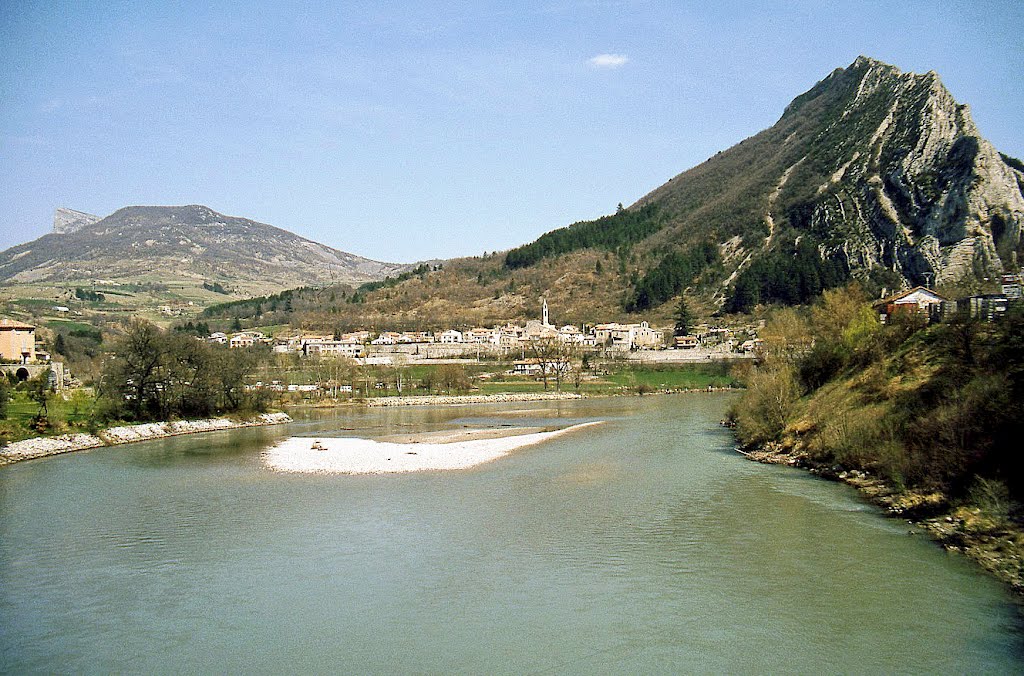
442, 400
41, 447
995, 545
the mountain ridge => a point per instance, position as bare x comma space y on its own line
190, 241
69, 220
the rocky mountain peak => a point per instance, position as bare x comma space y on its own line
68, 220
880, 172
196, 214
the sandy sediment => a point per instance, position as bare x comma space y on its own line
418, 453
450, 436
40, 447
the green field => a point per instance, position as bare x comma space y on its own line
65, 416
697, 376
67, 325
618, 380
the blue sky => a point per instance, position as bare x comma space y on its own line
406, 131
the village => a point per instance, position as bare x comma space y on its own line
638, 341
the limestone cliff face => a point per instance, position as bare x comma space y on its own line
924, 194
883, 169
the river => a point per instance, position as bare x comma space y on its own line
641, 545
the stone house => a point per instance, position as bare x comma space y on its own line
986, 307
482, 336
451, 336
352, 349
416, 337
917, 300
386, 338
686, 342
570, 335
1012, 287
628, 336
17, 341
246, 339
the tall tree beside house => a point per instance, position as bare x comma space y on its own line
5, 396
40, 390
131, 376
684, 318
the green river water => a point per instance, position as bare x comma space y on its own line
644, 545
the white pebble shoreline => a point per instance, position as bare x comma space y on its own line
353, 455
40, 447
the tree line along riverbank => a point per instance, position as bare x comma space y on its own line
925, 420
148, 375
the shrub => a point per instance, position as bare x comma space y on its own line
762, 412
821, 364
992, 497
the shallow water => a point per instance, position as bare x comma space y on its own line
641, 545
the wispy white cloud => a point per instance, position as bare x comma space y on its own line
608, 61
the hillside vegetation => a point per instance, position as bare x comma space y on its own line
610, 233
585, 286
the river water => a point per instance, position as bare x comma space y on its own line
641, 545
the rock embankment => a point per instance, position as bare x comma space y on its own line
40, 447
899, 503
471, 398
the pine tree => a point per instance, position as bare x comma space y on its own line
684, 318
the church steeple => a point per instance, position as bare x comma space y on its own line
544, 311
